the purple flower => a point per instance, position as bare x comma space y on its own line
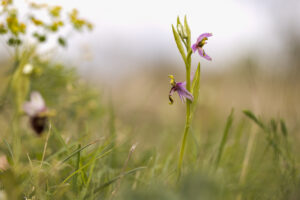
37, 111
179, 87
201, 41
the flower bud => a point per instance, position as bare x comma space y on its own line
181, 31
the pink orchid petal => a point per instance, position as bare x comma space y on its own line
202, 36
194, 47
182, 91
200, 51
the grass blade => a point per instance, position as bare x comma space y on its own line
76, 169
225, 136
86, 165
78, 150
9, 149
283, 128
250, 115
104, 185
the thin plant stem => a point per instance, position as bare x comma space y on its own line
16, 140
76, 168
184, 139
45, 147
246, 160
188, 115
224, 139
133, 147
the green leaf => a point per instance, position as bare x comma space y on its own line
179, 44
35, 34
62, 41
77, 165
188, 32
250, 115
42, 38
196, 87
87, 165
2, 30
104, 185
225, 136
76, 151
14, 42
283, 128
178, 20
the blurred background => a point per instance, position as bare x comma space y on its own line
131, 51
134, 35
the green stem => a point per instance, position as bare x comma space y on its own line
16, 141
76, 169
245, 165
188, 114
186, 130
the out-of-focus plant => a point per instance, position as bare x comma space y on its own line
56, 24
34, 163
277, 140
26, 33
189, 89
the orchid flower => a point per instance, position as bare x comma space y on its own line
201, 41
37, 111
179, 87
35, 106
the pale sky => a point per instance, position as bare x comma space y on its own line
130, 32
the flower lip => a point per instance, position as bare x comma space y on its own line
203, 54
38, 123
182, 92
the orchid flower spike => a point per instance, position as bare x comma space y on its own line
201, 41
179, 87
37, 111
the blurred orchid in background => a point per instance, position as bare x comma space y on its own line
37, 111
201, 41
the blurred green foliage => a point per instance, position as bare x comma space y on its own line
88, 148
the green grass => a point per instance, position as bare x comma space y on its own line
87, 150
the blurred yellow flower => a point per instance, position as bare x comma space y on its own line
55, 11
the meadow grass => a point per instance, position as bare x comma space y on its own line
86, 151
